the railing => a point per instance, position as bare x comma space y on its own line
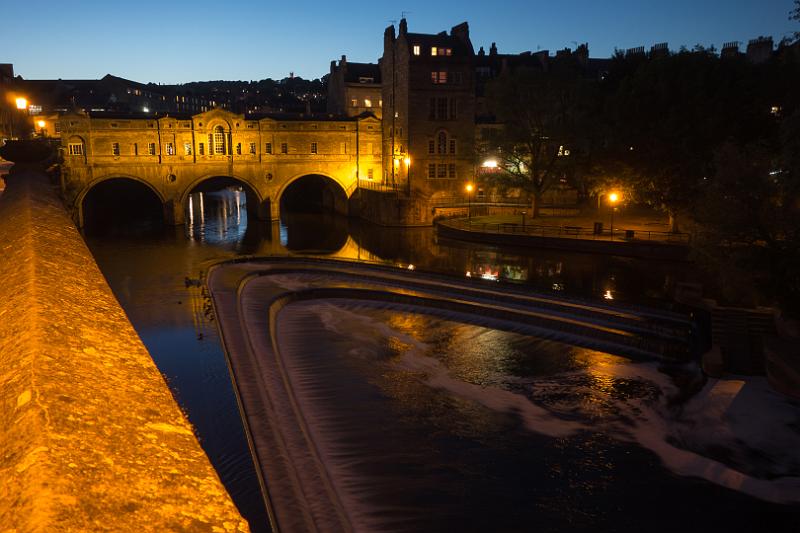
376, 185
569, 232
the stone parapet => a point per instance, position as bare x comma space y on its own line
91, 438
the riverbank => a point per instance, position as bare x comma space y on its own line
641, 237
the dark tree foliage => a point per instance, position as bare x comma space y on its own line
671, 114
542, 115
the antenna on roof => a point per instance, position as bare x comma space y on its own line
392, 21
404, 13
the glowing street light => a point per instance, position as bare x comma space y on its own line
613, 198
469, 188
22, 103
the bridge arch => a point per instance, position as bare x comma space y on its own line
256, 207
313, 191
117, 197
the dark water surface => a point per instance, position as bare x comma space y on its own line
438, 425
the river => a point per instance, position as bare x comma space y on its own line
451, 426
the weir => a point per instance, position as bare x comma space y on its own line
307, 490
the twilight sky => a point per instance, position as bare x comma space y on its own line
178, 41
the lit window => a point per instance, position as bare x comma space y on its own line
439, 77
433, 50
370, 174
354, 102
115, 148
417, 49
367, 102
187, 148
75, 148
313, 148
151, 148
252, 148
269, 148
284, 148
219, 140
170, 149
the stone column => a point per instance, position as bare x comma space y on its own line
174, 213
274, 209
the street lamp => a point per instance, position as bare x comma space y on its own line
613, 198
22, 103
41, 124
469, 189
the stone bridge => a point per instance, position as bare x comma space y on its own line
321, 158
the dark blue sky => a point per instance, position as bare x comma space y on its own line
178, 41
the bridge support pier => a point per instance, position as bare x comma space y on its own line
274, 209
174, 213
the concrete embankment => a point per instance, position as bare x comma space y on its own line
643, 249
91, 438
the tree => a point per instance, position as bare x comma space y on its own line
671, 113
795, 15
540, 113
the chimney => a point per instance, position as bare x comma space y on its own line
582, 54
481, 52
659, 50
493, 49
403, 26
729, 50
759, 50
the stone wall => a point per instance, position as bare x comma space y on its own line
91, 438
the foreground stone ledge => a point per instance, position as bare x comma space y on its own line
91, 438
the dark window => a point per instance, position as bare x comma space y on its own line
313, 148
442, 143
432, 170
269, 148
452, 146
284, 148
441, 109
451, 170
151, 148
453, 109
431, 147
115, 148
238, 148
201, 149
432, 109
442, 171
369, 174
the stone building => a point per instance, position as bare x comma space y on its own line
429, 118
354, 88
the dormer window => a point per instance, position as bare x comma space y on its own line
365, 79
417, 49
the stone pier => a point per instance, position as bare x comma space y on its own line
91, 438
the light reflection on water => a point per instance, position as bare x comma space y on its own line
585, 473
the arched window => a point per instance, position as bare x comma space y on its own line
442, 143
219, 140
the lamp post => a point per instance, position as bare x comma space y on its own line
613, 198
42, 124
469, 189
